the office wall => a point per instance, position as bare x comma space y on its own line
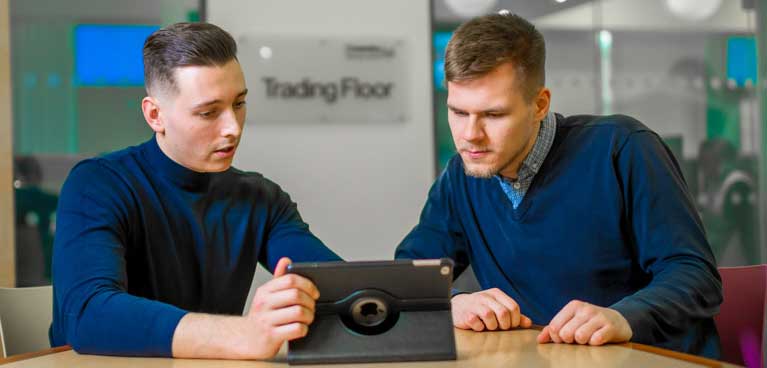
7, 247
359, 186
660, 64
55, 116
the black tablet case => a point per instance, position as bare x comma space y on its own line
423, 329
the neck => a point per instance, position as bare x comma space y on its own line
511, 171
168, 152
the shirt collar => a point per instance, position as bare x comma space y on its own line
543, 142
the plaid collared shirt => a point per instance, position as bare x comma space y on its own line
516, 189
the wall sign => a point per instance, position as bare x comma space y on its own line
324, 80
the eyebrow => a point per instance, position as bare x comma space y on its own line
213, 102
494, 109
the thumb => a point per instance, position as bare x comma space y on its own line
282, 267
544, 336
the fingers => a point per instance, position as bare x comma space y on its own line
544, 336
463, 309
487, 314
292, 314
585, 333
559, 320
282, 267
584, 323
285, 290
510, 307
567, 332
290, 331
475, 323
489, 309
290, 297
601, 336
290, 281
525, 322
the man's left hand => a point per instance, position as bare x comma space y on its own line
583, 323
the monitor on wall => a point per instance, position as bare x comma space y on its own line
110, 54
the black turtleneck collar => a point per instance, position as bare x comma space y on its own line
176, 173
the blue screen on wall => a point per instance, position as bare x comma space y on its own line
110, 55
441, 39
741, 59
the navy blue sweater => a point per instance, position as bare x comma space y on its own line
607, 220
141, 240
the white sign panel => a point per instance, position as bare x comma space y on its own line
324, 80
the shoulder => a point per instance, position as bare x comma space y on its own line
101, 168
610, 132
615, 125
102, 175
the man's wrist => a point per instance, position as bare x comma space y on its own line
201, 335
455, 292
624, 324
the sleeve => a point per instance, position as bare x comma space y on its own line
669, 242
95, 313
289, 235
438, 233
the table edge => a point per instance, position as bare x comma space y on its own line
673, 354
629, 345
34, 354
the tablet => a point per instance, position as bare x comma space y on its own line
380, 311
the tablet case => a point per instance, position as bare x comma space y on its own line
378, 312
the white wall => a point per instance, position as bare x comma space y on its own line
360, 187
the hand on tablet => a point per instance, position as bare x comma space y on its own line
489, 309
281, 310
583, 323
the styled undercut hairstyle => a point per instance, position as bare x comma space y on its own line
184, 44
484, 43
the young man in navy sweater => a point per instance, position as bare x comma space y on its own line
582, 224
156, 245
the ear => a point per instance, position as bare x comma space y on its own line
150, 106
542, 103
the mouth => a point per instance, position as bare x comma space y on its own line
475, 154
225, 152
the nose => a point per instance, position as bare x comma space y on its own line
473, 131
230, 125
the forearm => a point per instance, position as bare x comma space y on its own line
117, 323
674, 300
211, 336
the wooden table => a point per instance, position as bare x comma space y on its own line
475, 349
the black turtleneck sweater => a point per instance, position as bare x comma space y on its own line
141, 241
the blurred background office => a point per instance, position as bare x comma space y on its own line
360, 166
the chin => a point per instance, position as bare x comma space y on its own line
219, 167
479, 171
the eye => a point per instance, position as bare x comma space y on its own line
494, 115
240, 104
460, 113
207, 114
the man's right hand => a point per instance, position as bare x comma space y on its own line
489, 309
282, 310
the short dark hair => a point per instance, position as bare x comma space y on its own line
484, 43
184, 44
